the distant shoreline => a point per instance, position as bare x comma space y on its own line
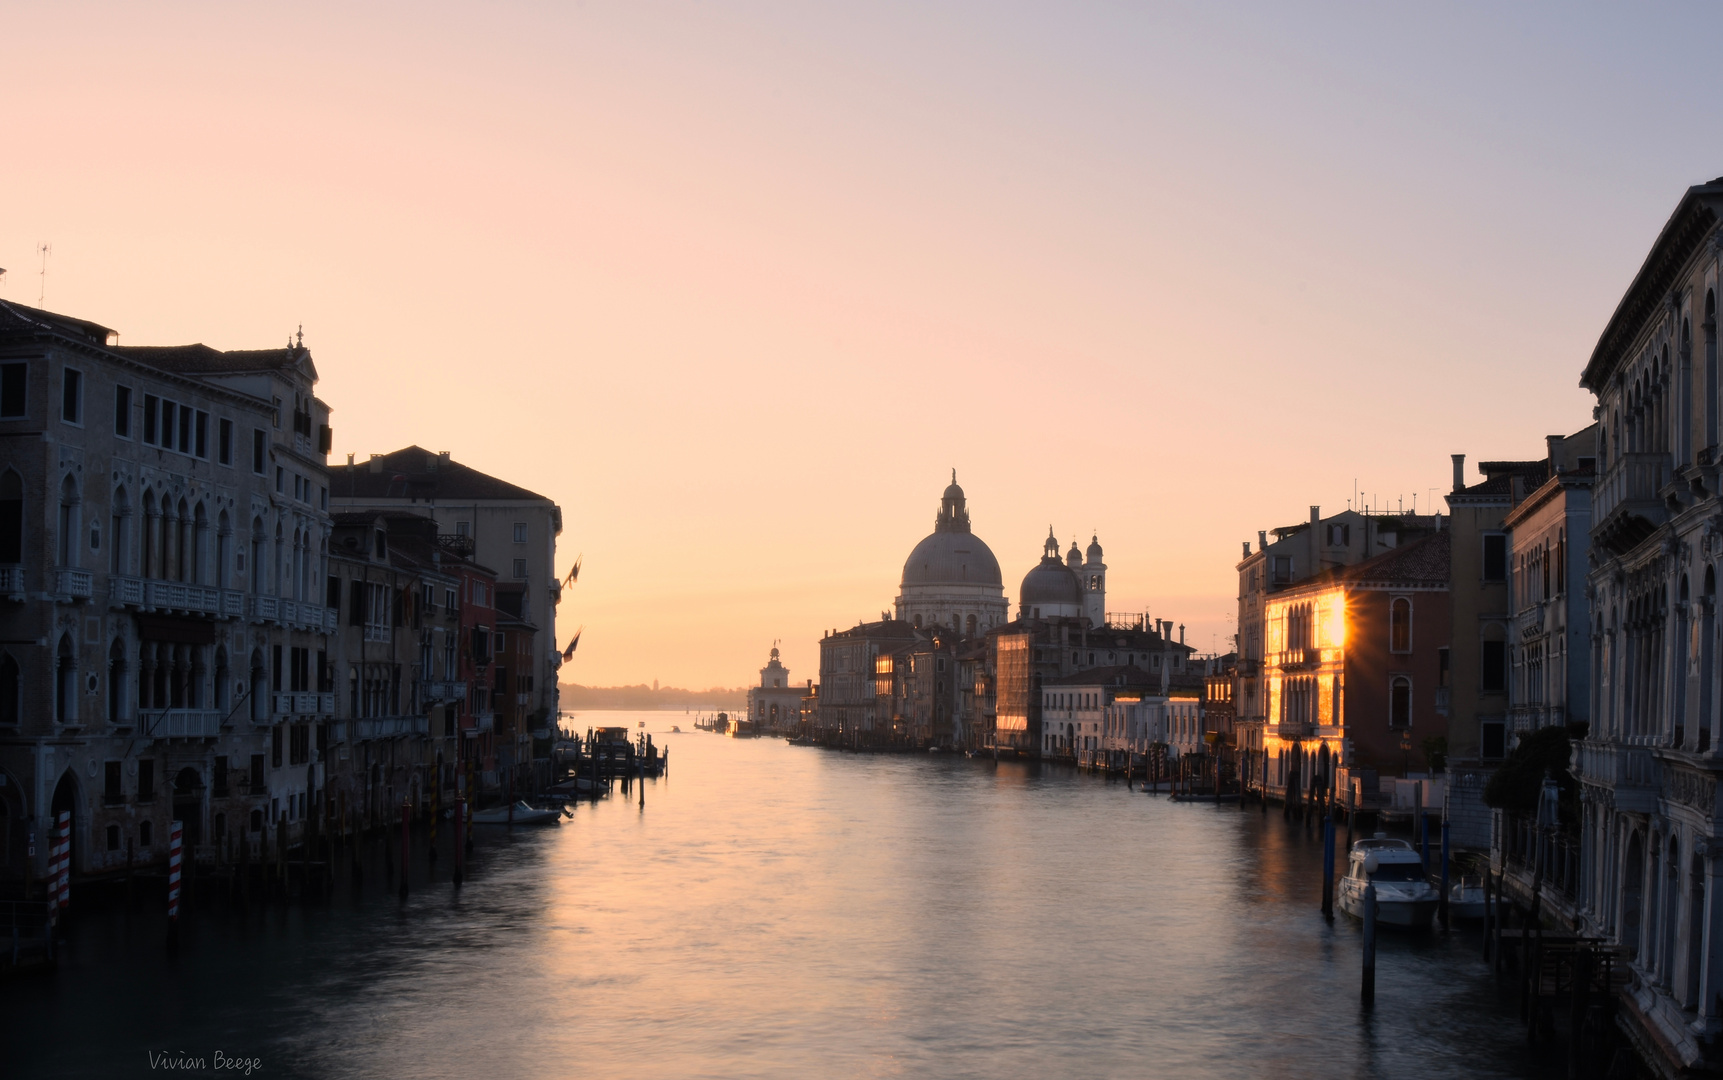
650, 699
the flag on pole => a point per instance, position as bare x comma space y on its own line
573, 572
568, 653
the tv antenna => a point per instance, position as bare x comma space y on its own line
44, 250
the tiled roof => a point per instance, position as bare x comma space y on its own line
1130, 674
1425, 561
417, 473
1499, 477
201, 359
17, 318
889, 628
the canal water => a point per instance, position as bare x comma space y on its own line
778, 911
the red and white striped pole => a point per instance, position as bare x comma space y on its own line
176, 852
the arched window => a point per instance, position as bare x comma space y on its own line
66, 682
69, 500
182, 549
223, 552
1400, 625
259, 687
199, 547
120, 537
259, 538
117, 697
151, 538
11, 517
11, 706
1400, 702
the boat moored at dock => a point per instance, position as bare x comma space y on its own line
1404, 895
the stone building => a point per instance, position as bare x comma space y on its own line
1351, 661
512, 530
775, 704
1297, 553
1650, 872
163, 543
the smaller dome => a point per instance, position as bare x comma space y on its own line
1094, 552
1050, 584
1073, 557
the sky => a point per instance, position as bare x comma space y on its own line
739, 284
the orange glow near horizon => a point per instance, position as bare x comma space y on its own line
737, 287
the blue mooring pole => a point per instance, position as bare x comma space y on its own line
1424, 850
1442, 901
1328, 867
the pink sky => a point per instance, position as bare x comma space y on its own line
737, 285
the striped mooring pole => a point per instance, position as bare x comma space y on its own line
62, 862
176, 852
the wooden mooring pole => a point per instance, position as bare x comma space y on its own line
1442, 900
1328, 866
406, 842
1367, 994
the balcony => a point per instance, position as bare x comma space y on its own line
389, 727
295, 614
181, 724
12, 582
1300, 659
485, 721
1291, 729
1629, 771
1625, 503
302, 704
189, 599
74, 584
445, 691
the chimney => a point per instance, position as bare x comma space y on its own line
1181, 633
1517, 488
1247, 549
376, 463
1459, 472
1554, 443
1261, 539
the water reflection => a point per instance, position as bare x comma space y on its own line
785, 912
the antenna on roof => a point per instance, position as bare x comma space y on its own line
43, 249
301, 342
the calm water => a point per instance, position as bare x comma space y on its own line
777, 911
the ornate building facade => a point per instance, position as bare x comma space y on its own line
1651, 875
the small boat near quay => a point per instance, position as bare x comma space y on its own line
1466, 899
517, 814
1404, 895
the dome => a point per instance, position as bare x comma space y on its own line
949, 557
1094, 552
1051, 583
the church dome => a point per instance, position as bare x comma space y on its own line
951, 554
949, 557
1094, 552
1050, 584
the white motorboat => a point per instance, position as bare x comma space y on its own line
1466, 900
1404, 895
519, 814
